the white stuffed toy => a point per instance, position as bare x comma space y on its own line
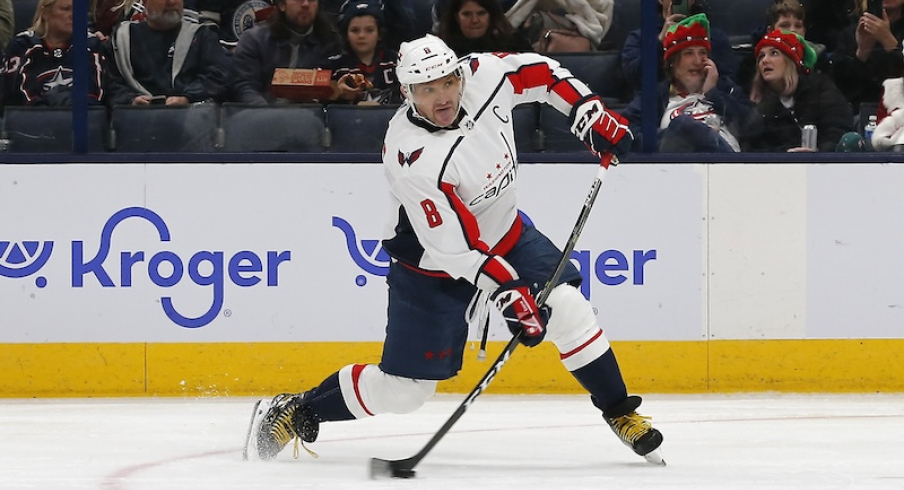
890, 131
591, 17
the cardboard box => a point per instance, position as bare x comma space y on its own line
302, 84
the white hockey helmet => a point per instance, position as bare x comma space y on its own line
424, 60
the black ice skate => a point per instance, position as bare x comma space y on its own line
635, 430
276, 422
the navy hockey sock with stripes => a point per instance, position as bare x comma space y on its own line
603, 379
326, 401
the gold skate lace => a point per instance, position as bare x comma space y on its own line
631, 426
283, 434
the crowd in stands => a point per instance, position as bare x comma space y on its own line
806, 63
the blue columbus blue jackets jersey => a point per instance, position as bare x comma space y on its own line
33, 74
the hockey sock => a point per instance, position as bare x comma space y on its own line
603, 380
326, 401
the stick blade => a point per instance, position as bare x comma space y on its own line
381, 468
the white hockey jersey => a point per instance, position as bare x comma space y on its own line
454, 188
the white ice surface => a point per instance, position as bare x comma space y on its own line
762, 441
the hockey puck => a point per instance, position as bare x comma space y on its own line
402, 473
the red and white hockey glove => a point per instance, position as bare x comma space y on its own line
520, 311
600, 129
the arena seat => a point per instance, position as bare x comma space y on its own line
556, 132
165, 129
738, 19
357, 128
49, 129
274, 128
23, 13
601, 71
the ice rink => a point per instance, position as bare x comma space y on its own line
759, 441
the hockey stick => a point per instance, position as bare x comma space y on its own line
404, 468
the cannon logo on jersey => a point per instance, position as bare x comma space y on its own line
247, 14
367, 254
410, 158
22, 259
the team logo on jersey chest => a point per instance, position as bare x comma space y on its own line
410, 158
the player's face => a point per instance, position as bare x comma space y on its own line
772, 65
689, 68
363, 34
300, 12
438, 100
58, 19
163, 14
473, 20
790, 23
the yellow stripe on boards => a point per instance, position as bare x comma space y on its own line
262, 369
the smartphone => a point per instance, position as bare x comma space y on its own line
157, 99
680, 7
874, 7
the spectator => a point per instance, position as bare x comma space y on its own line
366, 72
784, 15
7, 23
37, 66
165, 59
699, 108
475, 26
889, 134
721, 52
104, 15
296, 35
868, 52
789, 95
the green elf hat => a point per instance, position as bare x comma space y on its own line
691, 31
792, 45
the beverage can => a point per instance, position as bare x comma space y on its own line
808, 137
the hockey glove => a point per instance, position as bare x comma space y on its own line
521, 314
599, 128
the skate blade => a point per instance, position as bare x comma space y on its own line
257, 415
655, 457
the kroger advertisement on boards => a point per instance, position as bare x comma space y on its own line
276, 252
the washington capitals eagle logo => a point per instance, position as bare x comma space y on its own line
474, 63
411, 157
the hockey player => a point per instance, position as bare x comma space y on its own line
450, 161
